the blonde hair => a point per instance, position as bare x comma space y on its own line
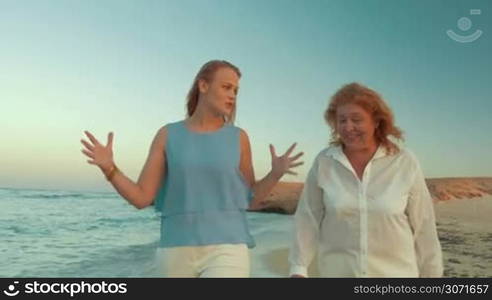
207, 72
373, 103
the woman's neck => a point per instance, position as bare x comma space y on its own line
365, 153
205, 121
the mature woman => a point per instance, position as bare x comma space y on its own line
365, 208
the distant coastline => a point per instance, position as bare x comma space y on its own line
284, 197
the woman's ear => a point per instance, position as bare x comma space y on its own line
202, 86
376, 122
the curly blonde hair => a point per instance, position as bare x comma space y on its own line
373, 103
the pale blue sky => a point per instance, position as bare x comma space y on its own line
126, 66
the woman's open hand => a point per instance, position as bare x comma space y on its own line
283, 164
100, 155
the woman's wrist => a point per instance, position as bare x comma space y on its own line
276, 175
109, 170
114, 169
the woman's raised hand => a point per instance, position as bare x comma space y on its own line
100, 155
283, 164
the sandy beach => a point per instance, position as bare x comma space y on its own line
463, 207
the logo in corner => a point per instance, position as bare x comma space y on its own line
464, 24
11, 290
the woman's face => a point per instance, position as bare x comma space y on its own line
220, 94
355, 126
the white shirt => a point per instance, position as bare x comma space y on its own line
380, 226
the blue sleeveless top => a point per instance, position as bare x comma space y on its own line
204, 197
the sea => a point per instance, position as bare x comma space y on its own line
57, 233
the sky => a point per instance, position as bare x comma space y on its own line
126, 66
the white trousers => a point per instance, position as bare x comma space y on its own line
219, 261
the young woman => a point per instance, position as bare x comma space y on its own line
199, 175
365, 208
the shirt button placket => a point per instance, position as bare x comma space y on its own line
364, 233
363, 230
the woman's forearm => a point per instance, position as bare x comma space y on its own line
262, 188
128, 189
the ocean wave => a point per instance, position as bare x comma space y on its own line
54, 194
68, 196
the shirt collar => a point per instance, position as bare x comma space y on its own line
338, 154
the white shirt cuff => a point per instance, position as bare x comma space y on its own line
298, 270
